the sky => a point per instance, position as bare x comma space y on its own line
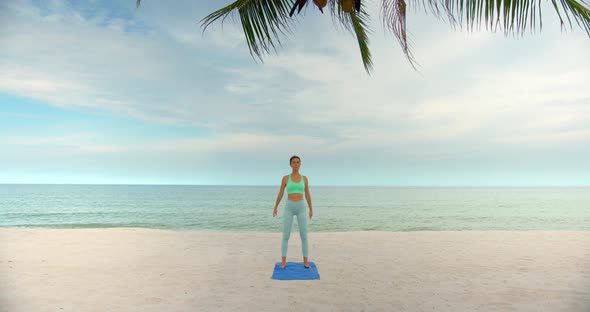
99, 92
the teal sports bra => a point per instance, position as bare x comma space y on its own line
294, 187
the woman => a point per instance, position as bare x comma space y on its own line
296, 184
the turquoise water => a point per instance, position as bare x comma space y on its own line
249, 208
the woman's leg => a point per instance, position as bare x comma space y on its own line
302, 222
287, 223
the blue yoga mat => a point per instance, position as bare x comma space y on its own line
295, 271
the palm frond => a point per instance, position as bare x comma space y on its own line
263, 22
356, 22
394, 17
580, 12
512, 16
339, 17
359, 24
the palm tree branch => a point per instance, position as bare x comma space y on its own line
394, 17
263, 22
340, 17
515, 16
359, 23
580, 12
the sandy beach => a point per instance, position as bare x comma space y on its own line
156, 270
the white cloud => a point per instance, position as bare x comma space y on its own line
96, 145
171, 74
65, 144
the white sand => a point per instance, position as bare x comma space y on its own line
152, 270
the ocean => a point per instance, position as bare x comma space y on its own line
336, 209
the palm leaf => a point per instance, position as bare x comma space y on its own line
357, 24
263, 21
580, 12
512, 16
394, 17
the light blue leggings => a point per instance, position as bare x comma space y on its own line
295, 208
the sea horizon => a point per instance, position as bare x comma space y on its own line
336, 208
317, 185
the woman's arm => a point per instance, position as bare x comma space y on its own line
307, 194
281, 191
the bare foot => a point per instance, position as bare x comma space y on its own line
306, 265
283, 265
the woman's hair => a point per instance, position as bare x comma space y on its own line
294, 156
